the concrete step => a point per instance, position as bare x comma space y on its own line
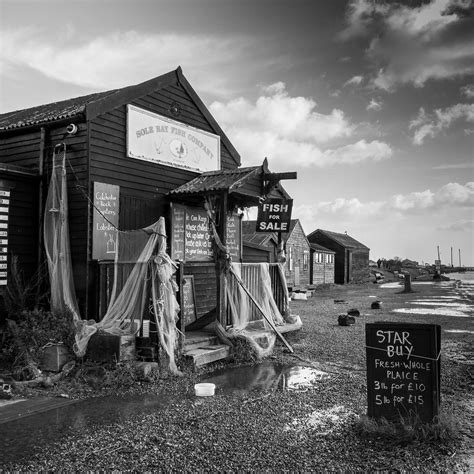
206, 354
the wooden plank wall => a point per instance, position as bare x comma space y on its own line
143, 184
204, 284
23, 149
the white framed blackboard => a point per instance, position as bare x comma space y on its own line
403, 370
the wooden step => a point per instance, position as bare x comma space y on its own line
194, 340
205, 354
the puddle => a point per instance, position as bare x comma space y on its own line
322, 422
264, 377
22, 437
459, 331
434, 311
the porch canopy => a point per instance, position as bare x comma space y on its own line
244, 187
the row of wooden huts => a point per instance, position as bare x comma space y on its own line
131, 156
317, 258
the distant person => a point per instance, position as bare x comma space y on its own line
379, 262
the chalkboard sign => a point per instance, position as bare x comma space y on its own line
197, 238
188, 300
191, 239
105, 221
177, 231
403, 370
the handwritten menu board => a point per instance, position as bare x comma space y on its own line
105, 221
197, 237
188, 300
177, 231
191, 239
403, 370
4, 212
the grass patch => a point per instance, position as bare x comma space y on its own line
410, 429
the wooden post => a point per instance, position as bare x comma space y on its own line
407, 281
221, 303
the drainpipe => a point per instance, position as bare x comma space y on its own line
40, 193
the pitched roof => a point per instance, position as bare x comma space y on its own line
320, 248
90, 106
55, 111
249, 234
244, 185
343, 239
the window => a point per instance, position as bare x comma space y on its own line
318, 257
305, 260
290, 258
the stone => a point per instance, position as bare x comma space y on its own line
353, 312
345, 320
376, 305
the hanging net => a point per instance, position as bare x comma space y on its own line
143, 282
56, 239
143, 275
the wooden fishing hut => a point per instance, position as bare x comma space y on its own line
132, 155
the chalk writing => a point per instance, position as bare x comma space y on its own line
105, 221
402, 370
188, 309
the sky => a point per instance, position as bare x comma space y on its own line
371, 103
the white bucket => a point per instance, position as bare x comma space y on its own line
204, 389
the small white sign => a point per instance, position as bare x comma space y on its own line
3, 225
159, 139
3, 241
5, 201
3, 266
3, 282
3, 217
3, 258
4, 193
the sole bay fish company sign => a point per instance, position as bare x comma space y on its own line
152, 137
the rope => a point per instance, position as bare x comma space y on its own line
411, 355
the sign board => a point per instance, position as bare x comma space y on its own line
191, 239
105, 221
403, 370
274, 215
188, 300
4, 212
159, 139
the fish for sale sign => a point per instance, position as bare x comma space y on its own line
274, 215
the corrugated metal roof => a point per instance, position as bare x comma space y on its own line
49, 112
344, 239
221, 180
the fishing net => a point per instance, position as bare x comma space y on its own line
143, 275
56, 239
146, 285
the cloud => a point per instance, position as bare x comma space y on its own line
454, 166
449, 196
429, 125
464, 225
412, 45
374, 105
279, 126
468, 91
124, 58
354, 81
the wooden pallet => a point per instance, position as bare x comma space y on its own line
203, 348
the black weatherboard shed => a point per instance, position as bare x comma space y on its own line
93, 129
351, 261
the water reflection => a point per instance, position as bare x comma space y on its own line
264, 377
19, 439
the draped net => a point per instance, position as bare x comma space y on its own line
143, 275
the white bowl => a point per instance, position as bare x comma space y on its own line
204, 389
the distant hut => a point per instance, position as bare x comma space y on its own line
297, 250
322, 265
351, 256
258, 246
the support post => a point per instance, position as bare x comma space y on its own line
221, 303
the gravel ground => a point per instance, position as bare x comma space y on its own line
287, 431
